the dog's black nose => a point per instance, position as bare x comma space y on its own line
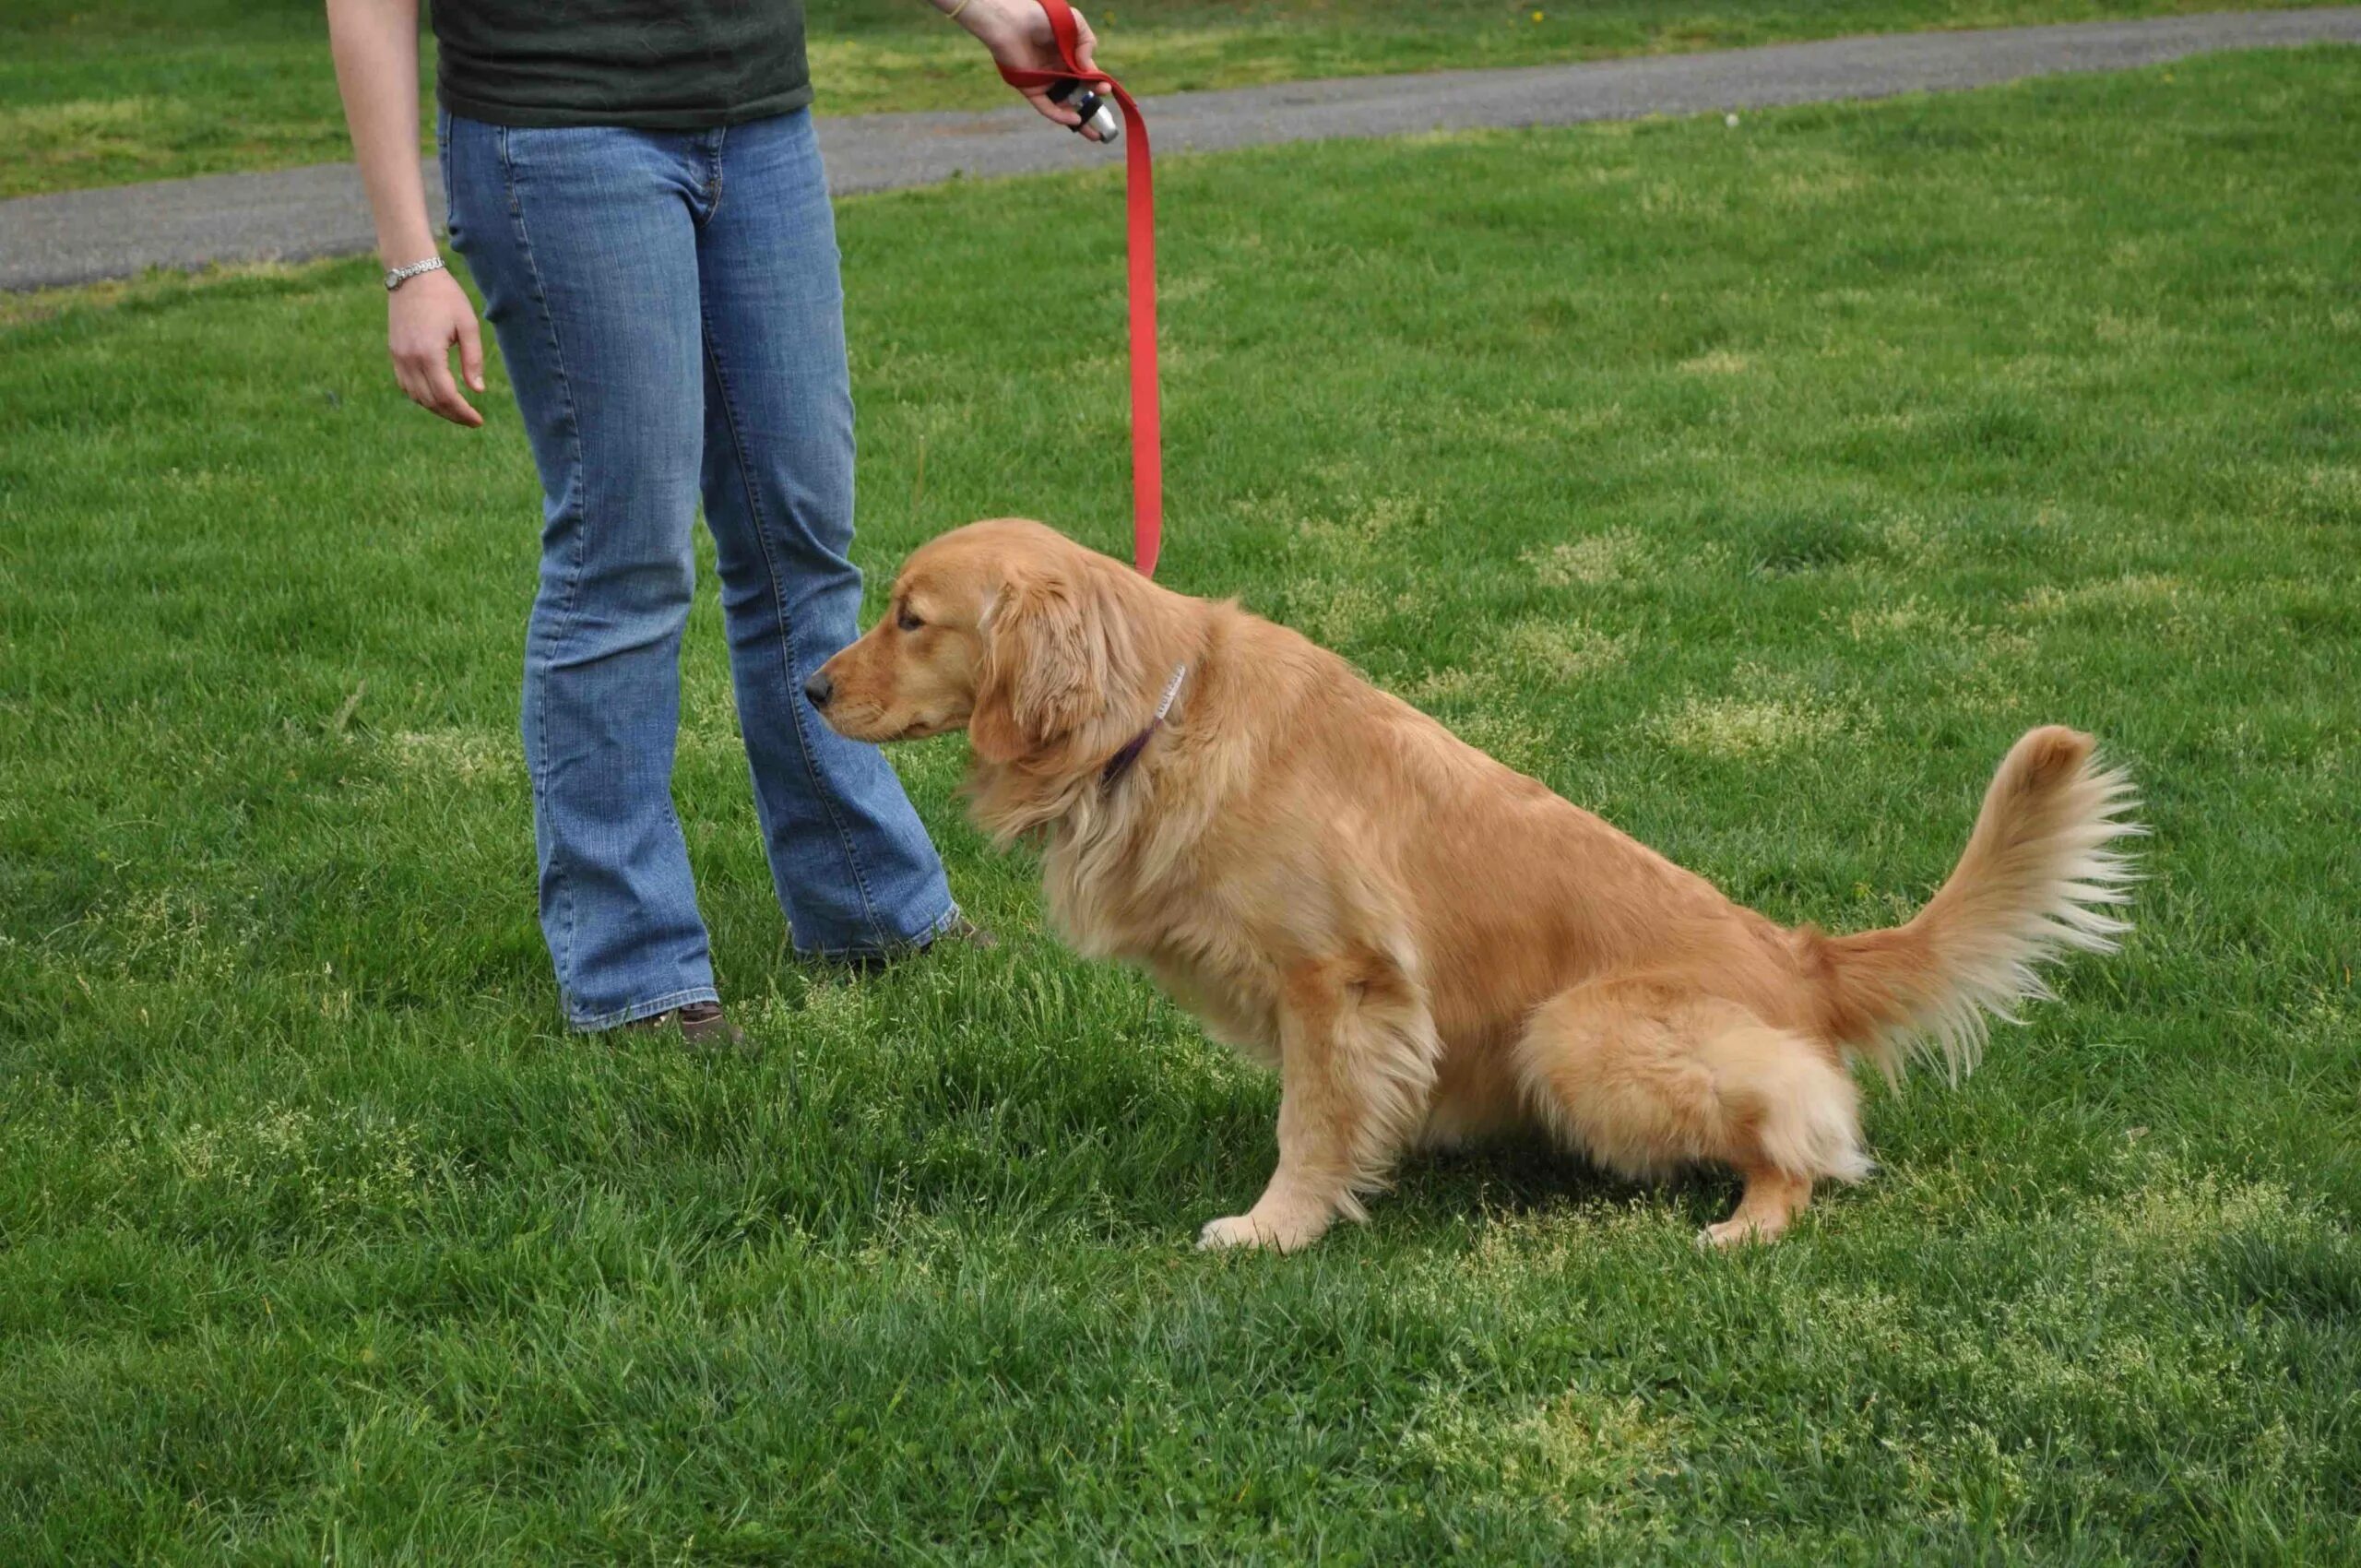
819, 688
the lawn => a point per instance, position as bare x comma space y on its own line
1754, 486
98, 92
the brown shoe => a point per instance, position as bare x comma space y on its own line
967, 934
700, 1022
961, 932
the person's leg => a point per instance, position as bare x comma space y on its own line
585, 247
854, 868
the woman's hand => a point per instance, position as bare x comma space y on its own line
1018, 33
375, 45
423, 318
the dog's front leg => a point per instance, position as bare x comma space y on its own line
1357, 1057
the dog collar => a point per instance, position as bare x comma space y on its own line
1120, 763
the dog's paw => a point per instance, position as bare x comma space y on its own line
1232, 1230
1735, 1232
1283, 1232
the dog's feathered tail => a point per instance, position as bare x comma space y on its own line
2039, 877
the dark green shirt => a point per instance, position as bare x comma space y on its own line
660, 65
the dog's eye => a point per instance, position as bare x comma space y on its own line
907, 621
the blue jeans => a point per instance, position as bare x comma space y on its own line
669, 308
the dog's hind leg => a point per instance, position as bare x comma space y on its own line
1645, 1076
1770, 1200
1356, 1060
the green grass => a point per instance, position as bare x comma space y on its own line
1754, 487
96, 92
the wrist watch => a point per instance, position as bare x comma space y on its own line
401, 275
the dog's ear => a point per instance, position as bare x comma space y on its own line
1046, 668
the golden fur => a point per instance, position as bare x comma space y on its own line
1428, 945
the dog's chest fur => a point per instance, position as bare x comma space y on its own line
1125, 886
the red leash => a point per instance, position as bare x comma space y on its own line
1139, 200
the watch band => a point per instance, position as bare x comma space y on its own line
401, 275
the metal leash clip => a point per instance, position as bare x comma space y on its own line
1098, 114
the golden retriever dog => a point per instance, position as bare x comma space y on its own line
1429, 946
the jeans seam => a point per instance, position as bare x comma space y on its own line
926, 936
633, 1012
713, 184
787, 637
581, 474
443, 164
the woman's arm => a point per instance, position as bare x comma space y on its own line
1018, 33
375, 45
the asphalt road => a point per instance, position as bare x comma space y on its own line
297, 214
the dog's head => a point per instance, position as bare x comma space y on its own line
1006, 629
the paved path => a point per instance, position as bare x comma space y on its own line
296, 214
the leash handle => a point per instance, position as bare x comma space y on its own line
1139, 201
